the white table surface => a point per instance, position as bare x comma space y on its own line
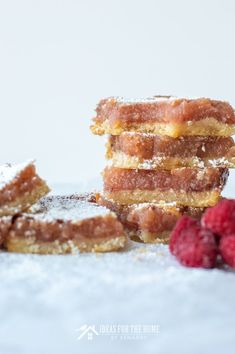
44, 300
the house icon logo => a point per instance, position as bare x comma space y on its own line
87, 332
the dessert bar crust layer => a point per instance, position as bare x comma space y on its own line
30, 245
65, 224
205, 127
164, 116
148, 151
20, 187
193, 199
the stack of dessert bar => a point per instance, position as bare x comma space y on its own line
169, 157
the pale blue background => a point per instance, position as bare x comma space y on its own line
58, 58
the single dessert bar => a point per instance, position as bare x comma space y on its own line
65, 224
20, 187
149, 222
149, 151
186, 186
164, 115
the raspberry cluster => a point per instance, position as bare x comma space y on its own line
197, 244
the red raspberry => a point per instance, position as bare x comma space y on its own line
183, 223
227, 249
221, 218
192, 245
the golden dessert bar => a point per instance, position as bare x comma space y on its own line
164, 115
185, 186
20, 187
149, 222
148, 151
64, 224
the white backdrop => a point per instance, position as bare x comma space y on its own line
58, 58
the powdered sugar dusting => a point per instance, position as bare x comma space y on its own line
157, 98
146, 165
66, 208
9, 172
163, 205
134, 133
46, 299
219, 162
151, 99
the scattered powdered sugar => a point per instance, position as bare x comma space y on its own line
198, 162
201, 174
219, 162
45, 300
162, 204
147, 164
66, 208
134, 133
9, 172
